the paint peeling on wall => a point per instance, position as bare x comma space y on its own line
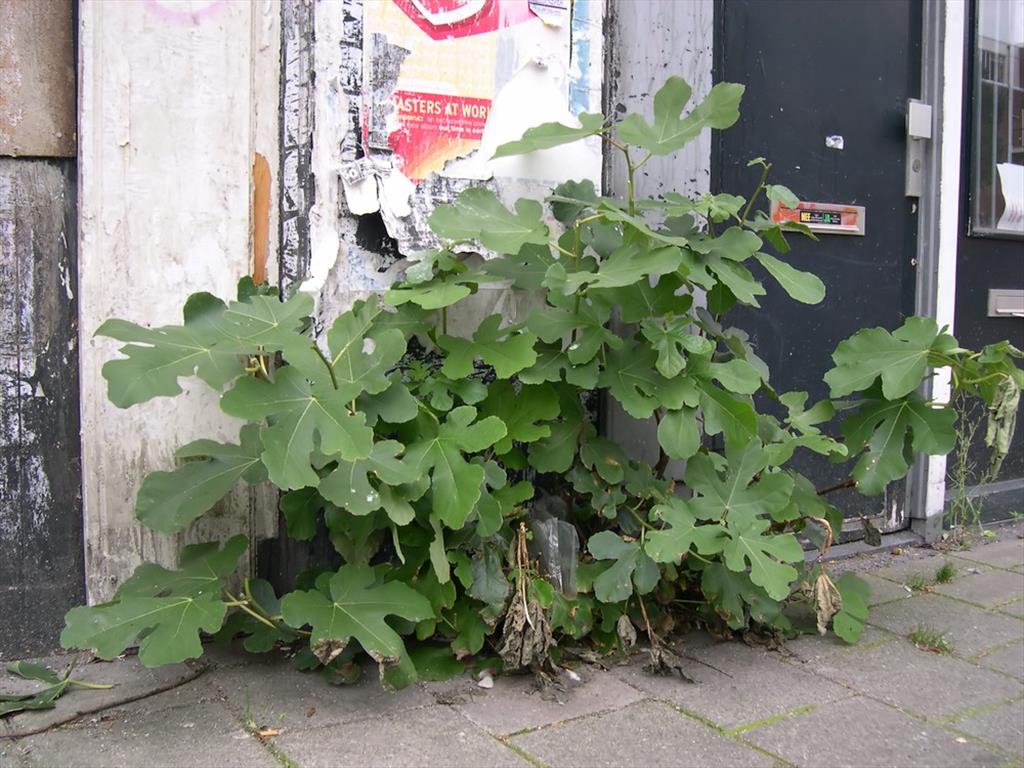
410, 102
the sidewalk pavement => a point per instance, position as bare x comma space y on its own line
817, 702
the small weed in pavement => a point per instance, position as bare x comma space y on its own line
945, 574
928, 639
918, 583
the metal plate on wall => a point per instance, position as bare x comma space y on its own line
824, 218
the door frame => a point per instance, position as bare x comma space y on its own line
943, 52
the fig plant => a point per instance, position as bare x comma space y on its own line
473, 503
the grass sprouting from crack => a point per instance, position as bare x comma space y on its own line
928, 639
918, 583
945, 574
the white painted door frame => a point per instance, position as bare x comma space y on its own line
943, 48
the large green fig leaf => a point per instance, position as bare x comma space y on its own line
671, 337
548, 135
899, 358
671, 132
168, 502
632, 379
890, 432
521, 411
804, 421
209, 345
301, 412
552, 324
361, 353
737, 497
348, 484
734, 417
679, 433
628, 264
395, 405
805, 287
455, 482
632, 568
356, 605
525, 269
854, 592
162, 610
767, 557
508, 350
553, 365
477, 214
642, 301
733, 596
671, 544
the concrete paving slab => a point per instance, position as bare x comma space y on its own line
647, 733
735, 685
1016, 608
861, 733
151, 735
514, 703
918, 681
885, 591
1008, 659
130, 679
967, 628
435, 735
987, 589
917, 570
1006, 553
811, 648
1002, 726
10, 753
276, 694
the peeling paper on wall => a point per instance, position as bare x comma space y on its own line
445, 82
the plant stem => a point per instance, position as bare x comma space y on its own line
643, 523
847, 483
327, 363
757, 191
95, 686
444, 320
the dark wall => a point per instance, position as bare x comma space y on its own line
41, 557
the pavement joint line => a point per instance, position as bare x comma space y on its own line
941, 725
777, 718
979, 655
982, 562
979, 710
779, 760
576, 718
1002, 751
515, 748
953, 653
953, 598
503, 740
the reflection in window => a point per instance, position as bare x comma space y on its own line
997, 166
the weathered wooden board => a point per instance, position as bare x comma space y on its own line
37, 78
176, 99
41, 573
647, 42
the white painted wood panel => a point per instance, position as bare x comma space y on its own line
648, 42
176, 96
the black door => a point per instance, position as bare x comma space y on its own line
827, 90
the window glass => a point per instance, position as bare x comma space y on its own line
997, 162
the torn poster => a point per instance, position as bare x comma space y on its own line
445, 82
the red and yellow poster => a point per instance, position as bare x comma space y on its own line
432, 69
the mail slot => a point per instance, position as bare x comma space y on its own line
825, 218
